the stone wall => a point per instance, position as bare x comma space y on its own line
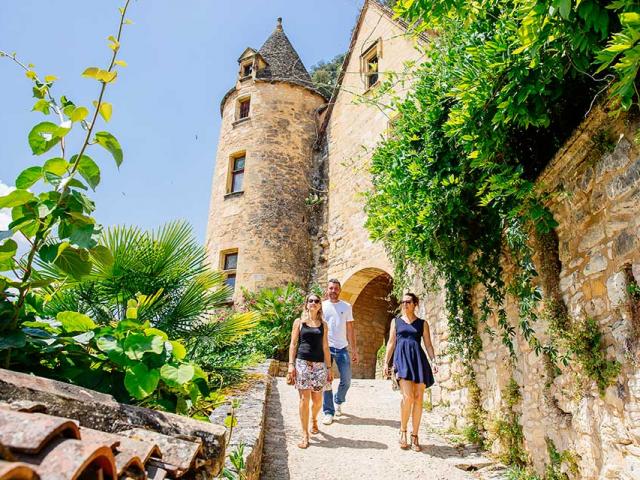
595, 184
268, 221
373, 310
250, 416
353, 131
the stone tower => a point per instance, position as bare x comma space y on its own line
258, 219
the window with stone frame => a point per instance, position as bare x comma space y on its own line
244, 105
370, 60
236, 173
229, 263
246, 69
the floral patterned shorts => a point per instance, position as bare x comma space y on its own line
310, 375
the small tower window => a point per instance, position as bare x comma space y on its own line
236, 171
247, 69
244, 106
229, 266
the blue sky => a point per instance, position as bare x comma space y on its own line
181, 59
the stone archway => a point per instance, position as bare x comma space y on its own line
369, 291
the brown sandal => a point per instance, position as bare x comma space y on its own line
403, 440
415, 446
314, 427
304, 443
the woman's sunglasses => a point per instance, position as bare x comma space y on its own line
406, 302
313, 300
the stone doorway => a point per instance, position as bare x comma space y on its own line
369, 291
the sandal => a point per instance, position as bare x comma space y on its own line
403, 440
415, 446
304, 443
314, 427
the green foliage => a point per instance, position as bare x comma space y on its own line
511, 394
622, 54
504, 85
128, 359
506, 429
474, 432
277, 309
238, 467
56, 222
325, 74
521, 473
584, 341
167, 263
554, 469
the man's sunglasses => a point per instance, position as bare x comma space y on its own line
313, 300
406, 302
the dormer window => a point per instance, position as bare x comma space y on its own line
370, 61
247, 69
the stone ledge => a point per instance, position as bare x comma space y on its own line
251, 417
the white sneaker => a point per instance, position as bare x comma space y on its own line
327, 419
338, 409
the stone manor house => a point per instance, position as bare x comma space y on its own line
291, 165
287, 206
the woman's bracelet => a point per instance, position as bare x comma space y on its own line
291, 363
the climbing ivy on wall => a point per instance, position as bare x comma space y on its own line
504, 85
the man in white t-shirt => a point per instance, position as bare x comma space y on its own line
342, 335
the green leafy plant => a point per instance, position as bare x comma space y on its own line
57, 222
506, 429
277, 309
127, 358
585, 342
474, 431
238, 467
167, 263
521, 473
558, 459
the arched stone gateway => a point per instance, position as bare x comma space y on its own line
369, 291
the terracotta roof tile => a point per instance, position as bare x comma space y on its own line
37, 445
30, 432
178, 455
17, 471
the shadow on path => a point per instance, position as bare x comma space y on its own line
347, 419
329, 441
275, 458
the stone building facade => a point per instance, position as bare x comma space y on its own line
259, 221
595, 197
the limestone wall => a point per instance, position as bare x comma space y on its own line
353, 130
268, 222
596, 200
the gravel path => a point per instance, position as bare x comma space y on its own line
362, 443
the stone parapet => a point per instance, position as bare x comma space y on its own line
250, 415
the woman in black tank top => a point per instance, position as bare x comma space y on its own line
309, 363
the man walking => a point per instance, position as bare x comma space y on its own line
339, 318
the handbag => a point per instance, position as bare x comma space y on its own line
395, 383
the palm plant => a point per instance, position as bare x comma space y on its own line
167, 265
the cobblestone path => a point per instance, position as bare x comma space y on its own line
361, 444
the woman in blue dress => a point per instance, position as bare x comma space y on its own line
410, 365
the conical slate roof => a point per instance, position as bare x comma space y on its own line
283, 61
